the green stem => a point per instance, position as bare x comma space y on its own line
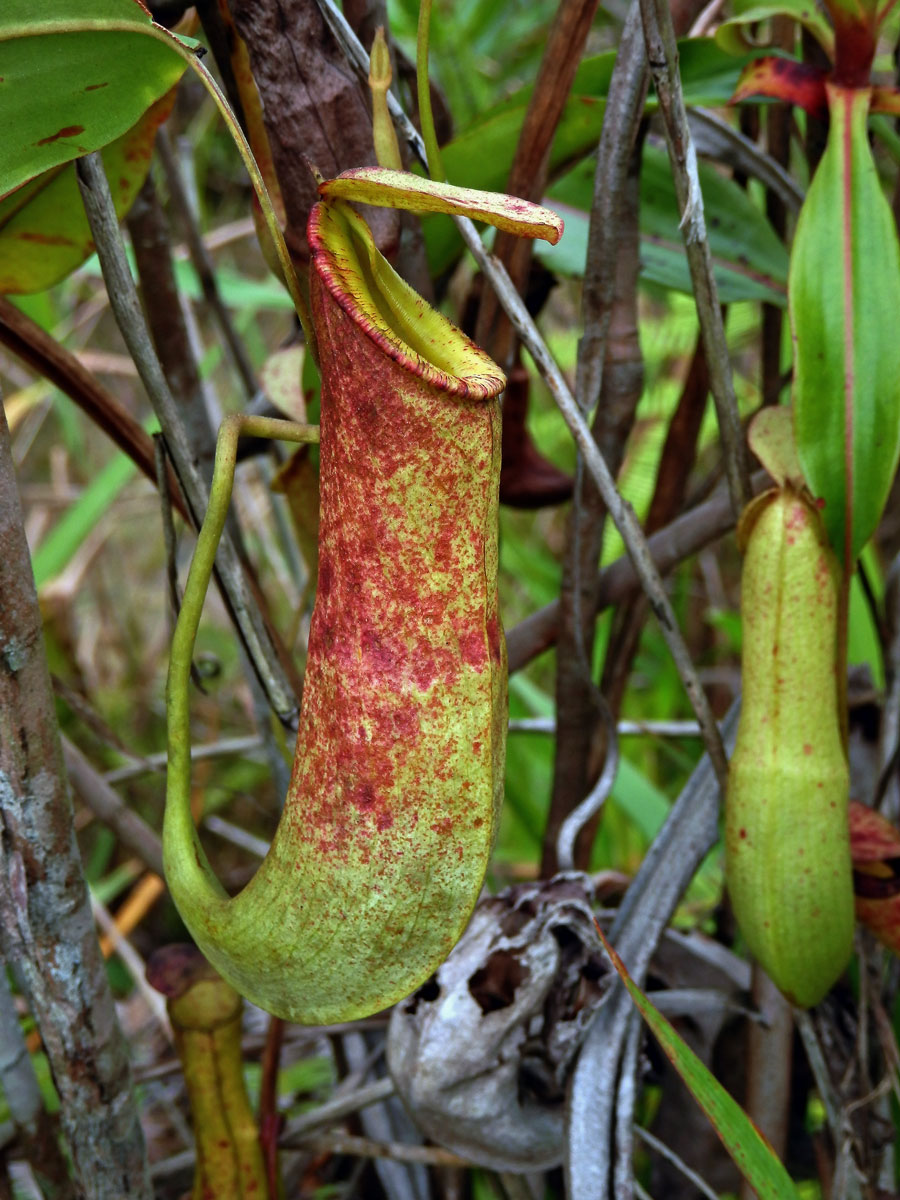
178, 787
426, 117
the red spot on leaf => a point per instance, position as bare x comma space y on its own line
67, 131
95, 87
44, 239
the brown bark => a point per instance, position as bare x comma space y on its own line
609, 359
149, 233
46, 928
623, 377
672, 476
528, 173
313, 106
529, 480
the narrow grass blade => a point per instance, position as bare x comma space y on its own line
752, 1154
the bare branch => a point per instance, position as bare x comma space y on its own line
124, 301
46, 928
620, 510
336, 1109
203, 264
662, 55
677, 541
100, 798
691, 828
400, 1152
26, 339
621, 119
668, 1153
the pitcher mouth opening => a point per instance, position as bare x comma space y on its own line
391, 313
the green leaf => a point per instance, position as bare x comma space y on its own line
749, 259
639, 797
844, 294
44, 233
75, 75
752, 1154
481, 155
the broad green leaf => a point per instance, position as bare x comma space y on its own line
750, 260
752, 1154
44, 233
844, 292
639, 797
707, 72
75, 75
529, 777
647, 807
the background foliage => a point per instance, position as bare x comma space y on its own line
824, 1093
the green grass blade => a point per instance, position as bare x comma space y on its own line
62, 542
752, 1154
